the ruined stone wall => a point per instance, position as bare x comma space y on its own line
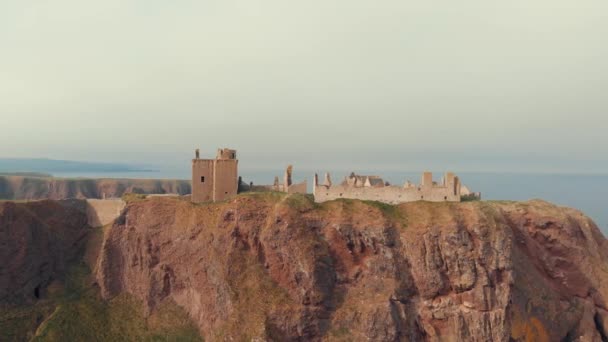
300, 188
446, 191
387, 194
225, 179
427, 179
103, 211
202, 180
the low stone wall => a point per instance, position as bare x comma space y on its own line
102, 212
387, 194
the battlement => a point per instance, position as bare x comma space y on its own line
226, 153
375, 189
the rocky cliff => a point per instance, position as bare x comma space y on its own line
33, 188
37, 242
47, 290
276, 267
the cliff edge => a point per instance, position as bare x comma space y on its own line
280, 267
34, 188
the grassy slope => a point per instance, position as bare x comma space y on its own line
74, 311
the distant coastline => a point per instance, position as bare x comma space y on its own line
41, 167
27, 174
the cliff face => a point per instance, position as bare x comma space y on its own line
284, 268
47, 290
33, 188
37, 241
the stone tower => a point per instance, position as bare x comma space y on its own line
215, 179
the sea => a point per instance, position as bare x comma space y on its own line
586, 192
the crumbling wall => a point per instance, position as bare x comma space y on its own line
300, 188
287, 186
449, 191
387, 194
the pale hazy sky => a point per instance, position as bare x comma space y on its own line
520, 85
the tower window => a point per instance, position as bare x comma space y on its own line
203, 179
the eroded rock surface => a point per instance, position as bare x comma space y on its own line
37, 242
283, 268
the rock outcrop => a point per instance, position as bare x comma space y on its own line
276, 267
34, 188
37, 242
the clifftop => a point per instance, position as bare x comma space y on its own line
281, 267
24, 187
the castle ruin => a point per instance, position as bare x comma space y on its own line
373, 188
288, 186
215, 179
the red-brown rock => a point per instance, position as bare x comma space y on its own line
283, 268
37, 242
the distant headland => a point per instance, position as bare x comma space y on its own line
46, 167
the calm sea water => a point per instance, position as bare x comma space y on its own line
588, 193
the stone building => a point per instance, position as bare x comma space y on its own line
215, 179
375, 189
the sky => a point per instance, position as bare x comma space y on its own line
472, 85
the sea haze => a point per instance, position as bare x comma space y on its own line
52, 166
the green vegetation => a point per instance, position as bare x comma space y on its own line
469, 198
341, 333
18, 323
301, 202
254, 296
132, 197
387, 209
390, 211
348, 204
268, 196
74, 311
